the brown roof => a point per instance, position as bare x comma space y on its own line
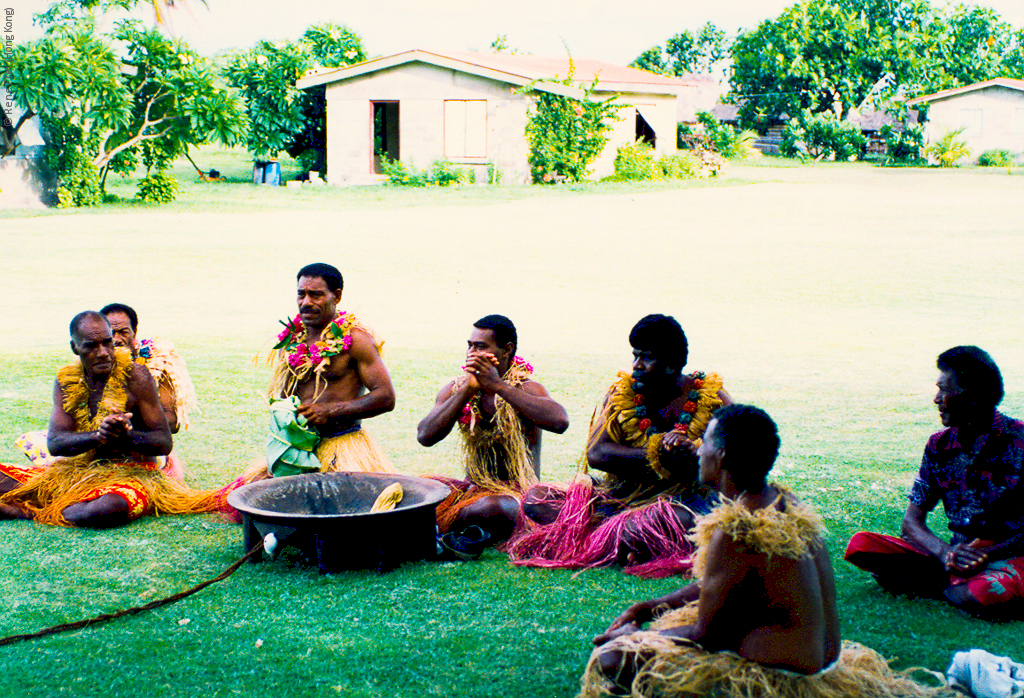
1010, 83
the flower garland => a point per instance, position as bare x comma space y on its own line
168, 369
300, 359
626, 409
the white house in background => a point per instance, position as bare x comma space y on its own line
991, 114
25, 181
421, 106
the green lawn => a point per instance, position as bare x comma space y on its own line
821, 293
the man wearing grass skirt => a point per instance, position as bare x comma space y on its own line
328, 377
107, 432
177, 394
500, 412
973, 467
644, 438
762, 619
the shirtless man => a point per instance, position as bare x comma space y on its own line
106, 429
772, 606
501, 412
331, 365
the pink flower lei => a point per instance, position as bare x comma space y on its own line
335, 339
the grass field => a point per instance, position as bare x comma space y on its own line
821, 293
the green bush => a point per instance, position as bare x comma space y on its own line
699, 164
903, 146
445, 173
566, 135
442, 173
729, 142
822, 136
636, 162
996, 158
158, 188
400, 175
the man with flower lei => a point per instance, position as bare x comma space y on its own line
177, 395
328, 377
645, 439
107, 431
500, 412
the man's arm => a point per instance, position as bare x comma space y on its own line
634, 617
61, 439
963, 557
442, 418
531, 400
380, 393
154, 436
169, 405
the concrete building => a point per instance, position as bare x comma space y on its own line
25, 180
991, 114
421, 106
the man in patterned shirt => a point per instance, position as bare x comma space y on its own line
973, 467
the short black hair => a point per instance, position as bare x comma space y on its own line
133, 317
319, 270
662, 336
976, 373
76, 322
751, 442
503, 329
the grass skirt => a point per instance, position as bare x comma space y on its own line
684, 671
46, 493
581, 537
465, 493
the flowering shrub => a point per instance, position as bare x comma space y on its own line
902, 146
697, 164
822, 136
566, 135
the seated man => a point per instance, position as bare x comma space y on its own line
974, 467
762, 619
645, 440
328, 377
500, 412
106, 430
177, 396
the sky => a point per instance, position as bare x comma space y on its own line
616, 31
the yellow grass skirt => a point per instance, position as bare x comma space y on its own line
687, 671
69, 481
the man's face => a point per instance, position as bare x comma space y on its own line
483, 342
955, 406
651, 369
121, 329
94, 345
709, 457
318, 304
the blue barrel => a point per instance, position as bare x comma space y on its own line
272, 174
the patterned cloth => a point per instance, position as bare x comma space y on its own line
902, 568
981, 491
139, 501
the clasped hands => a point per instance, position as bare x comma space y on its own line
114, 426
482, 370
677, 439
966, 557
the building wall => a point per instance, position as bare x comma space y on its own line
993, 118
659, 112
422, 90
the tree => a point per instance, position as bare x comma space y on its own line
107, 101
281, 116
686, 53
829, 55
